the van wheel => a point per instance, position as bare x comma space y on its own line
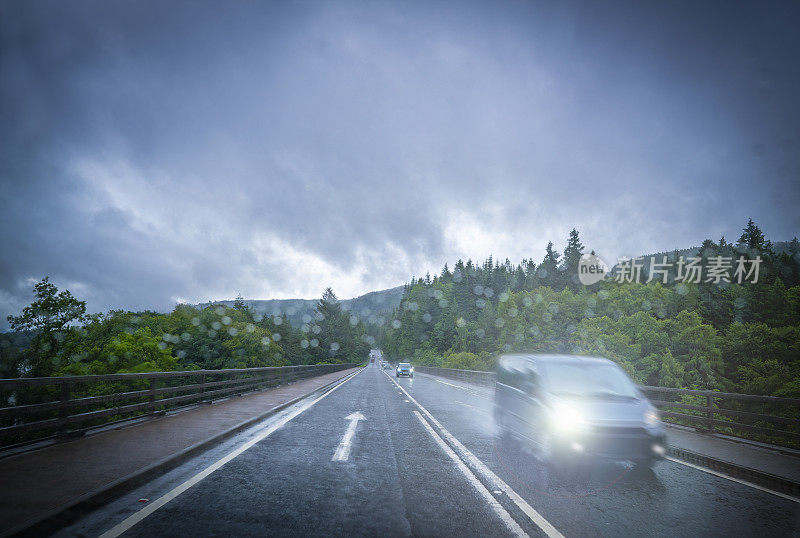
544, 451
500, 423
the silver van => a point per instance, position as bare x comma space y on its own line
568, 406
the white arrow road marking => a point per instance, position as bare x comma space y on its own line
343, 450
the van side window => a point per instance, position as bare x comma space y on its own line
532, 379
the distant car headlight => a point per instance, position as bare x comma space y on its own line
565, 419
651, 418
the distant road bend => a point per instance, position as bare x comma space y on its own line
380, 456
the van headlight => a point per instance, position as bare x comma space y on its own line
651, 418
565, 419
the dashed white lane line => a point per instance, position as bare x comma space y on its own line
512, 525
737, 480
487, 473
132, 520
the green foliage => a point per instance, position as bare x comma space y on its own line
49, 318
187, 338
125, 353
734, 337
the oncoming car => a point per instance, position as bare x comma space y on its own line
576, 406
404, 369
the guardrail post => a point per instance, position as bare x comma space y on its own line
63, 409
152, 398
202, 387
709, 412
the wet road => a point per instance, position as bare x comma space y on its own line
424, 460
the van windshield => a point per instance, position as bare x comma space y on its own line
588, 380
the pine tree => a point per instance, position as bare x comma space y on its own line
548, 270
752, 237
572, 257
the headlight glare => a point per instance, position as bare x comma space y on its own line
565, 419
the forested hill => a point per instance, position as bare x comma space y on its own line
373, 304
778, 247
709, 333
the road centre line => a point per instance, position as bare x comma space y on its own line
487, 473
512, 525
139, 516
731, 478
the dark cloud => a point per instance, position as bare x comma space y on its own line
154, 152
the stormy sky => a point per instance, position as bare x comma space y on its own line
156, 152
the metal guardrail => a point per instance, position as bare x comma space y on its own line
767, 417
724, 412
38, 406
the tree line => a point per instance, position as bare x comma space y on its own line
727, 336
55, 336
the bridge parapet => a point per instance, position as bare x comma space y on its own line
35, 408
761, 418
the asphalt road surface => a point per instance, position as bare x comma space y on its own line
424, 460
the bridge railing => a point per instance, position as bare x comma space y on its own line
37, 407
762, 418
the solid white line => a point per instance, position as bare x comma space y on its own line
487, 473
512, 525
343, 450
728, 477
132, 520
